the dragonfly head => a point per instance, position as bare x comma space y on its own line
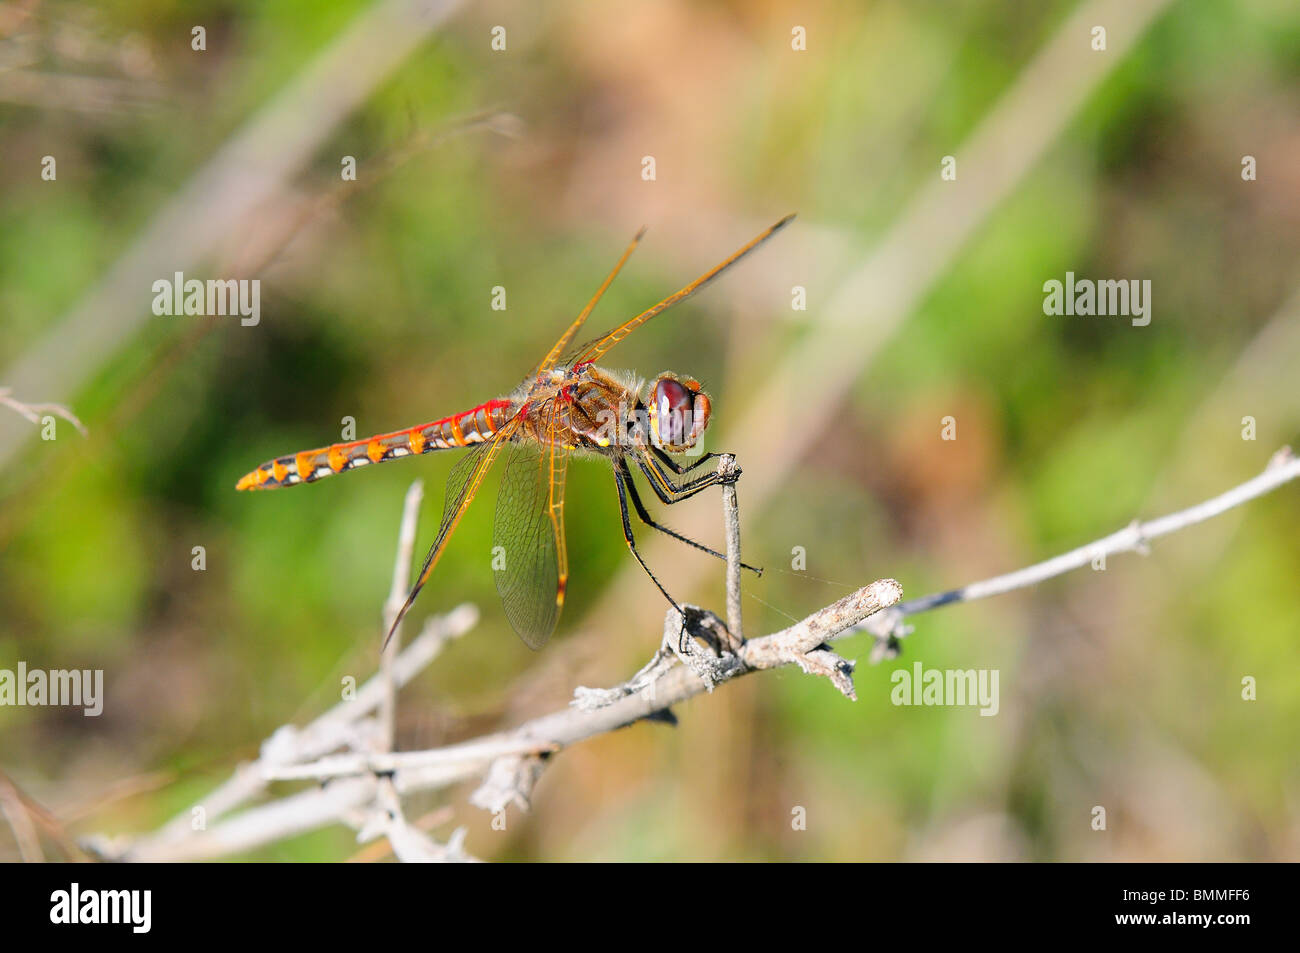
679, 412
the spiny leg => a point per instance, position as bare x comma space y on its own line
644, 516
655, 457
676, 467
631, 544
668, 491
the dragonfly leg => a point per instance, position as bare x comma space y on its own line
668, 491
676, 467
631, 544
644, 516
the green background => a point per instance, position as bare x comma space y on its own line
1120, 689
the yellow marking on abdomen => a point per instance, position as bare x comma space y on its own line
306, 464
337, 458
279, 471
375, 451
416, 440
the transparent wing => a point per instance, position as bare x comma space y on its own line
594, 351
532, 563
462, 484
566, 339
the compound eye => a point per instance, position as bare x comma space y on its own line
673, 403
703, 408
672, 396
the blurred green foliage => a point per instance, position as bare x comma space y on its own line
1119, 689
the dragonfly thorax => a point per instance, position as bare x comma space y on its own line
602, 410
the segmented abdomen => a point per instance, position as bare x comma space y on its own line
460, 430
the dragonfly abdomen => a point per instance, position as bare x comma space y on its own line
459, 430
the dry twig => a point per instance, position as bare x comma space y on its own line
33, 412
888, 627
365, 785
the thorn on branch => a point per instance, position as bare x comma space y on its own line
822, 661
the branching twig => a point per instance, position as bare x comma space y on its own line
410, 844
511, 761
888, 626
33, 412
343, 765
347, 724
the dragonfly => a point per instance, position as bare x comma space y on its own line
566, 406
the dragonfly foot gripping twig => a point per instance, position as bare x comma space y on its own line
694, 636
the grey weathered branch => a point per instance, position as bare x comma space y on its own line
510, 762
888, 626
367, 781
349, 724
357, 779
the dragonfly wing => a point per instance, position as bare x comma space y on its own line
566, 338
595, 350
529, 529
462, 484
